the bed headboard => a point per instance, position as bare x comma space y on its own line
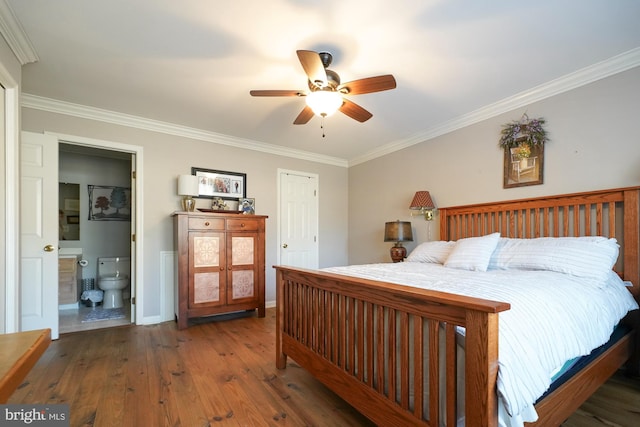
609, 213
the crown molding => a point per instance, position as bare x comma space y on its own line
81, 111
582, 77
595, 72
15, 36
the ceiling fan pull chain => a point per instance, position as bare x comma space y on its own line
322, 125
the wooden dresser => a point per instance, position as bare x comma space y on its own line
221, 264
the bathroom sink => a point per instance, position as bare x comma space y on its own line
70, 251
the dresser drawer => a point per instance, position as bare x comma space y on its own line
203, 223
245, 224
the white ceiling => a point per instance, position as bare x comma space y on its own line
193, 62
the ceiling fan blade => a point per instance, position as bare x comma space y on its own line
305, 115
313, 67
368, 85
355, 111
276, 93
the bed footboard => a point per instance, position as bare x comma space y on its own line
382, 347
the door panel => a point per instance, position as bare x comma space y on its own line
243, 266
208, 283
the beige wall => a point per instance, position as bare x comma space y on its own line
594, 144
166, 157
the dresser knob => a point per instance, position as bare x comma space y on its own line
206, 223
242, 225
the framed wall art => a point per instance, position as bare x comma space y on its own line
222, 184
523, 143
523, 165
108, 203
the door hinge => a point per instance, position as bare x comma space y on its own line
314, 193
133, 237
133, 174
133, 300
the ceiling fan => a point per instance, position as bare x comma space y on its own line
326, 94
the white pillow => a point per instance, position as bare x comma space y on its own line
432, 252
473, 253
591, 256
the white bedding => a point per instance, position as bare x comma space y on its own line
553, 317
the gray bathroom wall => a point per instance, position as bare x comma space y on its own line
97, 238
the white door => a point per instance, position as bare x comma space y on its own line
39, 232
298, 224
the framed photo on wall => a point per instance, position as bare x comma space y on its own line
223, 184
109, 203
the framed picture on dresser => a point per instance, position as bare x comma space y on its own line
247, 206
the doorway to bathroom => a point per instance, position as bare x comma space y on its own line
95, 223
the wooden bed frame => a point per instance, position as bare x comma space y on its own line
341, 328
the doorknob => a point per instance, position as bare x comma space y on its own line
49, 248
285, 246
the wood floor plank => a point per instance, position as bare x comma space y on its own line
113, 391
166, 412
220, 371
247, 357
181, 391
138, 378
212, 375
90, 391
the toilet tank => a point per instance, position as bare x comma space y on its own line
114, 266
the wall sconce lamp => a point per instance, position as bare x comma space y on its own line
398, 231
187, 188
422, 201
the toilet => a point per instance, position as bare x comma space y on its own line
113, 277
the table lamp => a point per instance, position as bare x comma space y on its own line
398, 231
187, 188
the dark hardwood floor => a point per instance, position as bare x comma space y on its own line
219, 371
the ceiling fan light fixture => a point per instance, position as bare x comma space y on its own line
324, 95
324, 102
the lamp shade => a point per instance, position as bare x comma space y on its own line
398, 231
187, 185
324, 102
422, 200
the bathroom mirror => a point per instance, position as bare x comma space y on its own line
69, 211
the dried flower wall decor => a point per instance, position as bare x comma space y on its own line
524, 130
523, 143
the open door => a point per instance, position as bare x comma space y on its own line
39, 232
134, 219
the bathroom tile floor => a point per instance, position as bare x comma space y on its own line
70, 320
